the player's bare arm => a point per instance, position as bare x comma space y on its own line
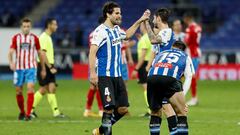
154, 38
129, 56
53, 70
141, 60
10, 59
130, 43
41, 57
45, 58
153, 54
92, 63
188, 74
130, 32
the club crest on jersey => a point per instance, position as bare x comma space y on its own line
163, 65
25, 46
108, 99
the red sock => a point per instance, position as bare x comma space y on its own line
30, 103
20, 102
90, 98
194, 87
99, 100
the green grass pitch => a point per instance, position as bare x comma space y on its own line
217, 114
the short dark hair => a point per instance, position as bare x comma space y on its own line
48, 21
164, 13
108, 8
26, 20
180, 45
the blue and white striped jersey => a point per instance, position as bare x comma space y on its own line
173, 62
168, 38
109, 41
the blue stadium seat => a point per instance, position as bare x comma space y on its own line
74, 12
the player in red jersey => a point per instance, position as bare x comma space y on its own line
25, 45
93, 90
192, 39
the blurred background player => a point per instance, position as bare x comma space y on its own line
177, 29
165, 75
127, 58
192, 39
25, 45
48, 85
93, 89
144, 47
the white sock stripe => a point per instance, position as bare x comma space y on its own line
106, 125
174, 132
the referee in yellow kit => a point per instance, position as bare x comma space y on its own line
144, 48
49, 83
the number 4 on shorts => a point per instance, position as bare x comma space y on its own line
106, 92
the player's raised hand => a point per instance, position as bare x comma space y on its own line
147, 13
145, 16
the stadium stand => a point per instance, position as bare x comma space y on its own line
220, 18
17, 9
220, 13
226, 14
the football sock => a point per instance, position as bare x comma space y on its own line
172, 125
90, 98
53, 103
20, 102
99, 101
30, 100
115, 117
146, 100
194, 87
154, 125
106, 124
37, 99
182, 125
